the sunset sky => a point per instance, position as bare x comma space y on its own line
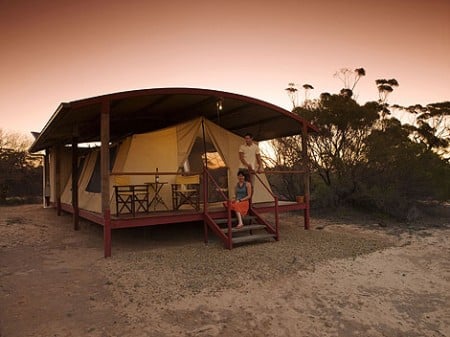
59, 51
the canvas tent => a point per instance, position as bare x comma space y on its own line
130, 127
174, 149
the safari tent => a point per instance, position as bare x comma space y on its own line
175, 149
97, 146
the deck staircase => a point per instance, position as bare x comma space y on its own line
256, 229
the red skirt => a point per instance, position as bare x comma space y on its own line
241, 207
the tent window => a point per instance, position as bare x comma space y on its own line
94, 184
214, 159
216, 165
196, 158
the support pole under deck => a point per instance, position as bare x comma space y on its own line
104, 169
58, 156
306, 176
76, 210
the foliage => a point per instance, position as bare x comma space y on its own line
287, 158
364, 157
385, 87
399, 172
350, 78
431, 126
337, 152
21, 174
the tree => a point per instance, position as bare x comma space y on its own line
307, 88
21, 174
385, 87
350, 79
431, 126
292, 92
400, 172
336, 153
365, 157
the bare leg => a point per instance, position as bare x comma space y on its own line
239, 217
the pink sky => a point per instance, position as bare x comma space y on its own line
59, 51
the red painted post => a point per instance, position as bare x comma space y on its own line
205, 228
306, 213
58, 156
104, 169
306, 176
230, 230
277, 221
107, 232
205, 203
76, 210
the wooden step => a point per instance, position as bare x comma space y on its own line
252, 238
245, 219
243, 229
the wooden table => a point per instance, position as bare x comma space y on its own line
157, 199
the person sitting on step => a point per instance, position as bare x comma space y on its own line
240, 204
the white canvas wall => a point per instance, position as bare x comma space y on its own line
166, 150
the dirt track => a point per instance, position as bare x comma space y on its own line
351, 278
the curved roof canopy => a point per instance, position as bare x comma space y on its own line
146, 110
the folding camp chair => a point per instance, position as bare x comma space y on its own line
186, 191
130, 198
140, 198
124, 199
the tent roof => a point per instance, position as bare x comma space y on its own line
146, 110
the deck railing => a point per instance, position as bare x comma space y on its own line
208, 177
275, 198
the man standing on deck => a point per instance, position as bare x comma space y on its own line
250, 158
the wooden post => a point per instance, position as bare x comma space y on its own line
58, 156
46, 179
76, 210
306, 176
205, 202
104, 169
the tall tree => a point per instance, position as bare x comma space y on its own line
307, 88
385, 87
337, 152
366, 157
349, 79
292, 92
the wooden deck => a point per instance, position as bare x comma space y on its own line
152, 218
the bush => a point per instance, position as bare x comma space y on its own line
14, 201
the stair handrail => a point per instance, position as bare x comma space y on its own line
225, 198
219, 189
275, 198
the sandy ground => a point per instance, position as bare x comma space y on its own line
346, 277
